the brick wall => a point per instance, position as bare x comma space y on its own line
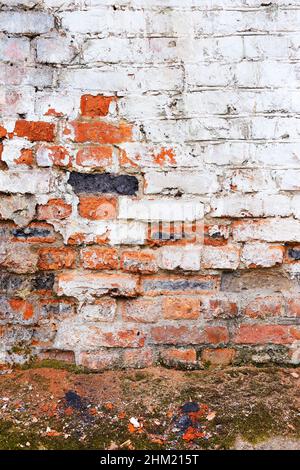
149, 179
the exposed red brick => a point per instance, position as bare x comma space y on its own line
26, 157
102, 132
35, 130
58, 155
123, 338
181, 308
218, 357
169, 334
3, 132
56, 258
138, 358
58, 355
99, 258
55, 209
166, 155
93, 106
24, 308
138, 262
263, 307
262, 334
179, 357
97, 207
141, 310
219, 308
95, 157
293, 306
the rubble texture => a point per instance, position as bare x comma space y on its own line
149, 182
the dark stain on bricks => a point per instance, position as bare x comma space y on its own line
294, 253
29, 232
10, 283
13, 283
43, 281
178, 285
104, 183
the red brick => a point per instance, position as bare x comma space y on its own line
58, 355
170, 334
102, 132
35, 130
218, 357
99, 258
262, 334
138, 358
95, 157
142, 310
181, 308
138, 262
123, 338
179, 357
56, 258
55, 209
293, 306
3, 132
93, 106
97, 207
264, 307
26, 157
100, 360
219, 308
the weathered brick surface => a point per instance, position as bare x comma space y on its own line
149, 182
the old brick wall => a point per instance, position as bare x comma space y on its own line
149, 179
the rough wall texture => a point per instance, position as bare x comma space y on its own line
150, 178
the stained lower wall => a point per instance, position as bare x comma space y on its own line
149, 182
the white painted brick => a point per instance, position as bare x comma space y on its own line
184, 182
160, 209
26, 22
103, 21
220, 257
254, 205
162, 49
32, 182
14, 101
186, 258
12, 150
123, 80
22, 75
127, 233
101, 310
261, 254
266, 47
14, 49
269, 230
248, 180
240, 101
287, 180
64, 104
55, 50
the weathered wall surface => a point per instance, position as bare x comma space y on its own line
149, 178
